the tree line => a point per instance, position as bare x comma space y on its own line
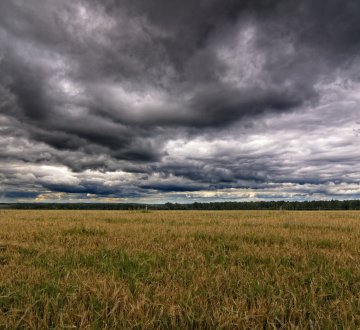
258, 205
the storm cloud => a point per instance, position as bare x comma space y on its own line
158, 101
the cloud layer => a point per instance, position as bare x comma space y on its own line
157, 101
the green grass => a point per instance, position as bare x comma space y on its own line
83, 231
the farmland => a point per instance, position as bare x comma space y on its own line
179, 269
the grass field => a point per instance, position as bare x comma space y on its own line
179, 269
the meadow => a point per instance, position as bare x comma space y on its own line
179, 269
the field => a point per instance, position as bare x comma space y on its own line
179, 269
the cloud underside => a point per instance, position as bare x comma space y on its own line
179, 100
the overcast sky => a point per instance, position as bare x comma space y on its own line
179, 100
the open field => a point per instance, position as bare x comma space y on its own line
179, 269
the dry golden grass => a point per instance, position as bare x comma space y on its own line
179, 269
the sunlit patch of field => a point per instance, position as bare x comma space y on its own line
179, 269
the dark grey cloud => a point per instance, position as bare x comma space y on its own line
157, 99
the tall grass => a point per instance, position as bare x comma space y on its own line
175, 269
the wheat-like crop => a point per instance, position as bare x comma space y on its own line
179, 269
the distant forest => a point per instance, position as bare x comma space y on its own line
259, 205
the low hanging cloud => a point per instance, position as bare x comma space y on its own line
179, 100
